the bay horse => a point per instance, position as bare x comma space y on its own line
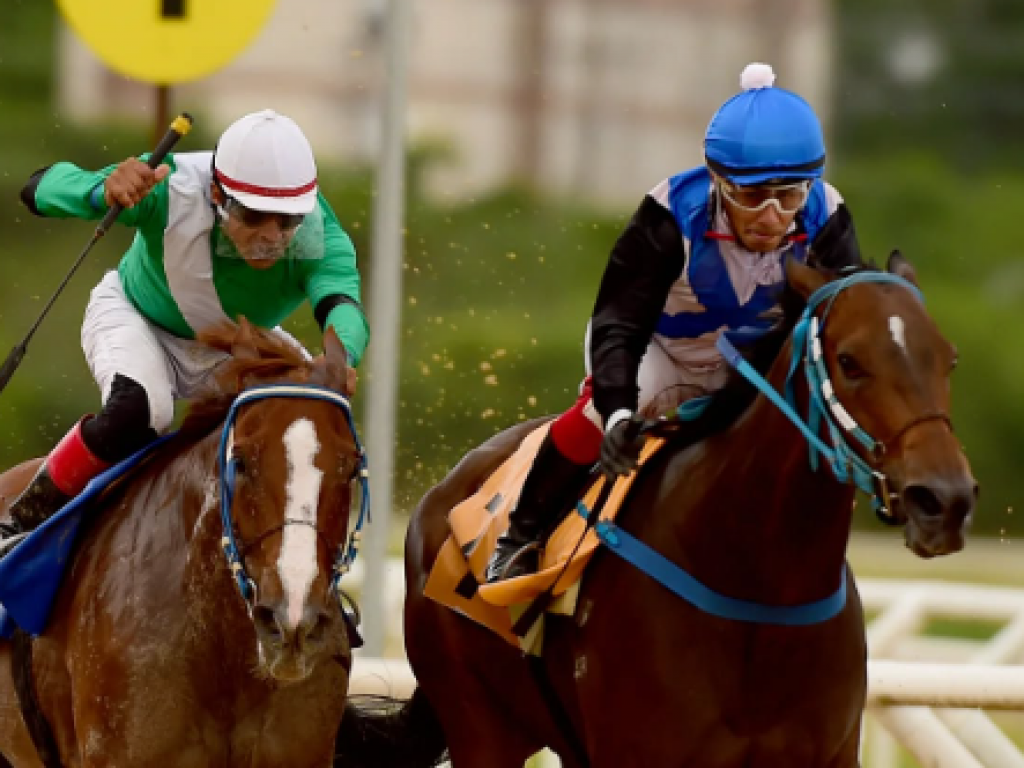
198, 623
640, 677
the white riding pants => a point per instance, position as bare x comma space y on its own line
117, 339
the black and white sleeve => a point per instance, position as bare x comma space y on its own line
646, 260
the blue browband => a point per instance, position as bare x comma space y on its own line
846, 465
227, 462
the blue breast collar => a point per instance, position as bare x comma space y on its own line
702, 597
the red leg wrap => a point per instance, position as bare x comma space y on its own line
71, 465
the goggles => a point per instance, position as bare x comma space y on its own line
256, 219
787, 198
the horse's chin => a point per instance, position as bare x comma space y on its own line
287, 668
283, 664
932, 539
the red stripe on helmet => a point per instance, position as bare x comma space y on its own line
253, 189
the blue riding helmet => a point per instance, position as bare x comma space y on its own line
764, 133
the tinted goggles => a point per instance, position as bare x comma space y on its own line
256, 219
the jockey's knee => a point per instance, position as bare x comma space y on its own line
125, 424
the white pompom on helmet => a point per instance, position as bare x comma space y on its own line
265, 162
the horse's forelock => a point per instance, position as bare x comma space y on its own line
276, 360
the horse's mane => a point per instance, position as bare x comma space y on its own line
738, 394
256, 355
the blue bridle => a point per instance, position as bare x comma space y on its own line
846, 464
228, 463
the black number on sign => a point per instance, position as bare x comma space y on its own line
172, 9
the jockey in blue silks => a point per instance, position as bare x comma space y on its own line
702, 256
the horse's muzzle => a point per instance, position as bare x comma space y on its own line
289, 653
938, 512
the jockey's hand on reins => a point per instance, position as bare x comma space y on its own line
620, 448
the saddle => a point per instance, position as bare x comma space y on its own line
457, 576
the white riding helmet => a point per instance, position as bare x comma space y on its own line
264, 161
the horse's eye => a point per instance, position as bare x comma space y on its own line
850, 367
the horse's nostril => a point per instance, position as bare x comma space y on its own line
266, 619
956, 500
318, 627
923, 499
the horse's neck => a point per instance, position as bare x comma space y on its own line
186, 528
192, 472
203, 519
206, 596
760, 518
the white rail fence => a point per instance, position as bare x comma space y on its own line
926, 693
929, 693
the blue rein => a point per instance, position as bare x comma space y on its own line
846, 465
227, 463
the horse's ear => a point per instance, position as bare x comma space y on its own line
803, 279
244, 346
340, 375
901, 267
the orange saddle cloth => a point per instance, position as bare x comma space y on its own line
457, 578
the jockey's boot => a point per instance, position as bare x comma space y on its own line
551, 485
62, 476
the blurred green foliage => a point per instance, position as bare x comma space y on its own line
497, 290
938, 75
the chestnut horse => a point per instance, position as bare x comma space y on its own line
199, 622
764, 662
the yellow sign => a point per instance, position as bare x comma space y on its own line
166, 41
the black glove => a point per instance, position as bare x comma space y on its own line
620, 448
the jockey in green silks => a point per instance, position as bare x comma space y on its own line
242, 231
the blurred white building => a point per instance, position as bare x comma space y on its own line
598, 98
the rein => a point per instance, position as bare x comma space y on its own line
845, 463
228, 462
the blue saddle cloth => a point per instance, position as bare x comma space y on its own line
32, 572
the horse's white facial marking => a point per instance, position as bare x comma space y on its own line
898, 330
297, 564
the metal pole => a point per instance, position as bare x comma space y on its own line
385, 320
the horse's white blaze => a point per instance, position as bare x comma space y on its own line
899, 333
296, 564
